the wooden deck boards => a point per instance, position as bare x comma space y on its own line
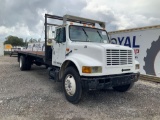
34, 53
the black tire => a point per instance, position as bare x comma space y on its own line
24, 63
123, 88
75, 98
38, 63
46, 66
29, 64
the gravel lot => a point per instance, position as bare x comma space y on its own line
31, 95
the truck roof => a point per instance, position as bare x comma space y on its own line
136, 29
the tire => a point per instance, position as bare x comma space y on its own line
123, 88
46, 66
72, 85
29, 65
38, 63
24, 63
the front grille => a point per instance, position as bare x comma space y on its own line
118, 57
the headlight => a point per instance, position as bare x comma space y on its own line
93, 69
137, 66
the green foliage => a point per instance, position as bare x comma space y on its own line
32, 40
14, 41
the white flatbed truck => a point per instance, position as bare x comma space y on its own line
82, 58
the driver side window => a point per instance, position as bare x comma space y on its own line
60, 35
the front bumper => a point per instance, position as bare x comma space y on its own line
103, 82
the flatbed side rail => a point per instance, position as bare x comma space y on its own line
39, 54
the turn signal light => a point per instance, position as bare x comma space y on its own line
84, 24
91, 69
93, 26
86, 69
67, 49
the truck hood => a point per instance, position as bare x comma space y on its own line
105, 46
94, 54
94, 51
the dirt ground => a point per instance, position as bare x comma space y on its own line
31, 95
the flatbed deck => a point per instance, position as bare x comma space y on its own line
40, 54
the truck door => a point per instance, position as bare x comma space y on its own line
59, 47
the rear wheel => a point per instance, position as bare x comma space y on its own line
123, 88
46, 66
38, 63
72, 85
24, 63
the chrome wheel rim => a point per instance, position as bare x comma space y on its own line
20, 63
70, 85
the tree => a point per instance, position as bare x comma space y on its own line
39, 40
32, 40
26, 42
14, 41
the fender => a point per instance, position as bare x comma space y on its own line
81, 60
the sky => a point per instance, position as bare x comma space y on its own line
25, 18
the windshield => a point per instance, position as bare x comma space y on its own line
86, 34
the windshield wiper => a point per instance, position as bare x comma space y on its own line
85, 34
99, 35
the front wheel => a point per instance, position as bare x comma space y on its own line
72, 85
123, 88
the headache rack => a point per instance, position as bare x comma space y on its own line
65, 18
72, 18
